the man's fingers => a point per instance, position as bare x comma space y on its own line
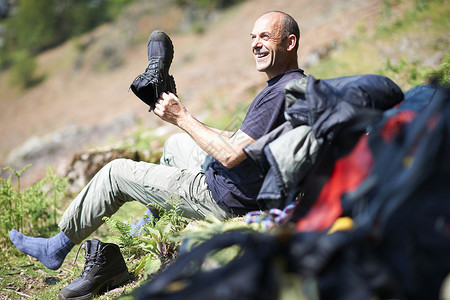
169, 96
159, 108
166, 96
162, 100
162, 103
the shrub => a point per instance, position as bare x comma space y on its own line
153, 244
23, 71
31, 210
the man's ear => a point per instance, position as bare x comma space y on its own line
292, 41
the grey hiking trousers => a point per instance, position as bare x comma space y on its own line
178, 177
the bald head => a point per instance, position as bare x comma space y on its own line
275, 43
287, 24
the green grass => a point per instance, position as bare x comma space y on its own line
21, 275
371, 52
354, 58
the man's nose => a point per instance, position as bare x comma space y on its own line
256, 43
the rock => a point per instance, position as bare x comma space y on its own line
84, 165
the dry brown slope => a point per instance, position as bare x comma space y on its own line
214, 66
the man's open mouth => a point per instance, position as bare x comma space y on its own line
261, 55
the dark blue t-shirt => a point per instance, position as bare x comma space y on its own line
235, 189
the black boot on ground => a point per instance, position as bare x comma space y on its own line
156, 79
104, 269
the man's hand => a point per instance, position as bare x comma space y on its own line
170, 109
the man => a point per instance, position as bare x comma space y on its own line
226, 187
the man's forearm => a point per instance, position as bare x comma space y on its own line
215, 142
224, 133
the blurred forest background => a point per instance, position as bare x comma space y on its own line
66, 65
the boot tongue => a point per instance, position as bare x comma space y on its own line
92, 246
92, 251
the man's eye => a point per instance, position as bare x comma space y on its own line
266, 37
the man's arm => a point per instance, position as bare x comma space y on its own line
224, 133
220, 144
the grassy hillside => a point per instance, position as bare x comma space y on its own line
405, 45
85, 83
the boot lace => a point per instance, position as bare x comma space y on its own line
91, 259
152, 71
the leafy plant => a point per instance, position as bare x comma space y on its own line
406, 73
33, 209
200, 231
153, 243
442, 73
23, 72
409, 73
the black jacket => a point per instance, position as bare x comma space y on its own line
330, 107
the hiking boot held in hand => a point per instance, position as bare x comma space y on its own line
104, 269
156, 79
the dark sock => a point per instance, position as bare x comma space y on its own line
51, 252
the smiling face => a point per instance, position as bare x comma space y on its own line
269, 48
